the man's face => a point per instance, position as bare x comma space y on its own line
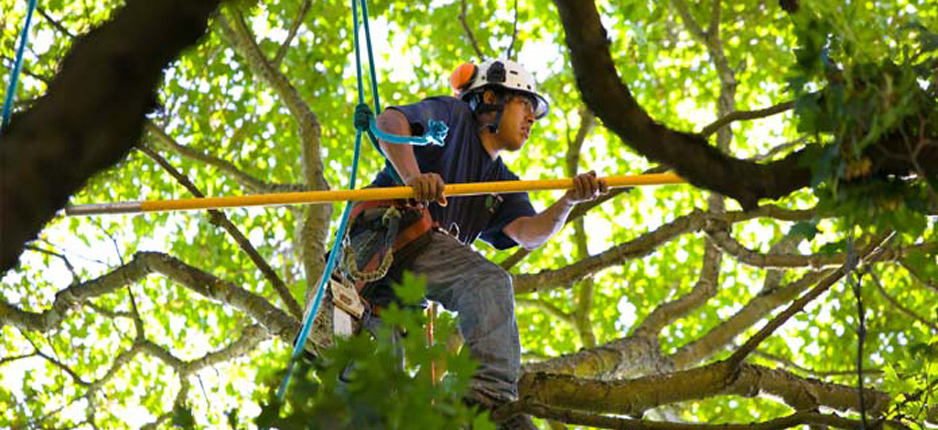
517, 122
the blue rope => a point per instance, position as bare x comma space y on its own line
17, 65
364, 123
435, 136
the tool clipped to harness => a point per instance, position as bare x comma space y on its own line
380, 230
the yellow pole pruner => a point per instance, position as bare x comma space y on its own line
366, 194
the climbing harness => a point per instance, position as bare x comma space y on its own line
364, 122
17, 65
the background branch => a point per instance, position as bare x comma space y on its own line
468, 30
294, 27
219, 219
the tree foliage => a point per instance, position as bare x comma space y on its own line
656, 306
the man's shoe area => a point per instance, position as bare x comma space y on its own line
487, 403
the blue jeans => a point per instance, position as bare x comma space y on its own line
480, 292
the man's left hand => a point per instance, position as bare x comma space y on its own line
586, 187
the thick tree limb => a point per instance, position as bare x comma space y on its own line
690, 155
600, 421
91, 114
624, 357
632, 397
643, 246
219, 219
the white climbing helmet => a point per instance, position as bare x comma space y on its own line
469, 79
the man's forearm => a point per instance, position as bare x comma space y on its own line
401, 156
532, 232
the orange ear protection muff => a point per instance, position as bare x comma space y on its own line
462, 77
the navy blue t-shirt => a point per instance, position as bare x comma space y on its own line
463, 159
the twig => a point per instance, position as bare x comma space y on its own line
5, 360
857, 288
546, 307
219, 219
514, 33
743, 115
472, 38
282, 50
818, 373
58, 26
913, 272
97, 223
778, 149
68, 265
56, 363
897, 304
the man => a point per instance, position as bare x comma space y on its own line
495, 111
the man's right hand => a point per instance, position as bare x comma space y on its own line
428, 187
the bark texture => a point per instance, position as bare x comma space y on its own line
91, 115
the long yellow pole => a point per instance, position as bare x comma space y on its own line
311, 197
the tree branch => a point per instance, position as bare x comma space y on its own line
644, 245
514, 33
468, 30
756, 309
704, 289
55, 23
314, 223
599, 421
546, 307
275, 320
220, 220
721, 237
703, 165
872, 252
12, 358
68, 265
294, 27
895, 303
111, 73
247, 181
634, 396
743, 115
817, 373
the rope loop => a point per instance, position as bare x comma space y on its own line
363, 117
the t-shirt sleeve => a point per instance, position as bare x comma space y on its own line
513, 206
419, 116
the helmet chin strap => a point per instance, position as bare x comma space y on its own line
479, 107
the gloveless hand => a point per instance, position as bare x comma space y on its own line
586, 186
428, 187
